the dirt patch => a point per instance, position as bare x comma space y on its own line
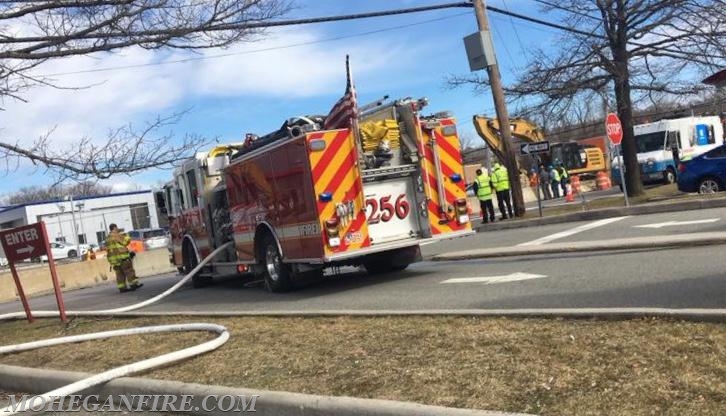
548, 367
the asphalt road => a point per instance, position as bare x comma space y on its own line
626, 227
672, 278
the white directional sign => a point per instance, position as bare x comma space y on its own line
676, 223
532, 148
514, 277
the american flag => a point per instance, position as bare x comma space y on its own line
345, 110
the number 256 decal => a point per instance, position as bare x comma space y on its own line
400, 209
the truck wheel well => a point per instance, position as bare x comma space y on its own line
260, 233
188, 249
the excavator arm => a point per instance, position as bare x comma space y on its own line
488, 129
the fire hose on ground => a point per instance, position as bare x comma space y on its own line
128, 369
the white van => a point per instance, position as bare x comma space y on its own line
692, 135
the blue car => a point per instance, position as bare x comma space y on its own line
704, 173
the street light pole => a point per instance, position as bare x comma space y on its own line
495, 81
62, 209
80, 206
75, 227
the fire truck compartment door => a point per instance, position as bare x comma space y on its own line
390, 212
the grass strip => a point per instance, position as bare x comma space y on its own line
548, 367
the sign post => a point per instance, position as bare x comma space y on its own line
26, 242
532, 149
614, 131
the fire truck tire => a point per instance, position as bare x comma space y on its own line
190, 262
276, 273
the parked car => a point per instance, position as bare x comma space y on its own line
65, 250
705, 173
148, 239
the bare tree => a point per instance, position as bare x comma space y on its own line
38, 31
632, 51
38, 193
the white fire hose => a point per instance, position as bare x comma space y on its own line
128, 369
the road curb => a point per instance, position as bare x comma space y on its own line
637, 243
688, 314
269, 403
598, 214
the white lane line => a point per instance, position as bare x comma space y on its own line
572, 231
513, 277
676, 223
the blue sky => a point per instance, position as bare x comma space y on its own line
253, 87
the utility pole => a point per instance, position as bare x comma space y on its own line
495, 81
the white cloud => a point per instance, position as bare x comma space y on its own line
157, 85
109, 99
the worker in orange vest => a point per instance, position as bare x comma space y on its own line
534, 181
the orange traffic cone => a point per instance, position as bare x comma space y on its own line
569, 197
575, 183
603, 182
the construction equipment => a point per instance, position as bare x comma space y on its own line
576, 157
302, 199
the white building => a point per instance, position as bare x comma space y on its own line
88, 216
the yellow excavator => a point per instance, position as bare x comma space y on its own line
578, 158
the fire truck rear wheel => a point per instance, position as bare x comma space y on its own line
190, 262
277, 274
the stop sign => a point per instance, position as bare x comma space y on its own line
614, 129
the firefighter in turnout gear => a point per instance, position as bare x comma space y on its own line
500, 180
120, 258
483, 189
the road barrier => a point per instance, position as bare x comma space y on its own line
80, 274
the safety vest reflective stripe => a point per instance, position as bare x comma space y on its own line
555, 175
500, 179
484, 190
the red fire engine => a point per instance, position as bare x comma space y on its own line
302, 198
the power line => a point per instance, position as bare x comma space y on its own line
556, 6
514, 27
224, 55
248, 25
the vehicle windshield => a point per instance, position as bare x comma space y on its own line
650, 142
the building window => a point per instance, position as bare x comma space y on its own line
82, 239
100, 236
193, 190
140, 216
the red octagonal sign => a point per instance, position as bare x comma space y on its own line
24, 242
614, 129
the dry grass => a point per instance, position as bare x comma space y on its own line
549, 367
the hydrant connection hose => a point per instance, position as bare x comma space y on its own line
128, 369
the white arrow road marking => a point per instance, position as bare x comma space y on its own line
675, 223
572, 231
27, 249
514, 277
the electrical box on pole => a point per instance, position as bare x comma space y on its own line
480, 50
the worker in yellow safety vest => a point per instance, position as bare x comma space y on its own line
500, 180
555, 181
483, 189
120, 258
564, 177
